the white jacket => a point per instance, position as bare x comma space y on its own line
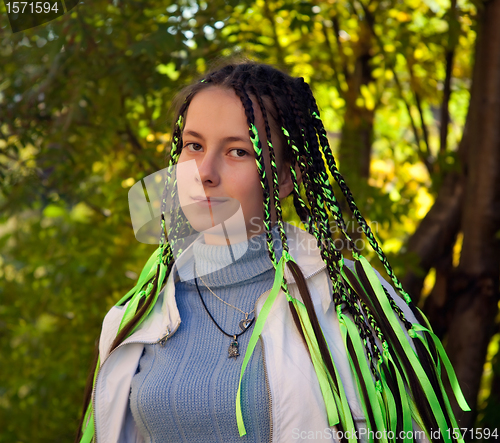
297, 407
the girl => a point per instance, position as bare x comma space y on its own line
259, 331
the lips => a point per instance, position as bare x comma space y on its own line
208, 202
209, 199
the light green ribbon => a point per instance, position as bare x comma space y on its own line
446, 362
333, 400
410, 353
88, 432
348, 328
259, 325
387, 398
147, 273
403, 397
322, 373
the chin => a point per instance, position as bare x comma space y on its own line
224, 221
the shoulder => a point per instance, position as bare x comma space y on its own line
390, 289
110, 326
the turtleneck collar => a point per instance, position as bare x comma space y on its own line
223, 265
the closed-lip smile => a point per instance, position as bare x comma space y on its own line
208, 201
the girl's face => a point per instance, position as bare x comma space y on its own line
216, 138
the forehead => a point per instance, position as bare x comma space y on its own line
215, 104
221, 108
217, 112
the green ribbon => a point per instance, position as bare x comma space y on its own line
403, 397
322, 373
147, 273
387, 394
333, 400
447, 364
89, 430
259, 325
348, 328
387, 398
410, 353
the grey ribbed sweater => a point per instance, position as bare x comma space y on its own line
186, 390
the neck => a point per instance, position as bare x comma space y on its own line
224, 264
221, 237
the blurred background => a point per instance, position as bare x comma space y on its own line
409, 92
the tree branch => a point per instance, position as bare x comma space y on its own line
427, 152
449, 57
422, 155
435, 234
343, 57
279, 50
332, 57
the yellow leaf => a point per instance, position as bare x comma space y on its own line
127, 183
403, 16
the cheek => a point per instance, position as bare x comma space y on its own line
247, 185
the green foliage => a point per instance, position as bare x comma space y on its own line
85, 113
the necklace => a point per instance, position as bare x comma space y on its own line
233, 350
243, 323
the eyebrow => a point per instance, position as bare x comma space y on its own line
226, 139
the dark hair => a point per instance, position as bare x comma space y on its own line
288, 106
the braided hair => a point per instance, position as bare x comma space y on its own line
396, 383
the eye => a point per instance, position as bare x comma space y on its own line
239, 153
194, 145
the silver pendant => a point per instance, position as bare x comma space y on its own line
245, 323
233, 349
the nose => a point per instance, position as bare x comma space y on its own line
208, 170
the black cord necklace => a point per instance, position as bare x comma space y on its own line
233, 349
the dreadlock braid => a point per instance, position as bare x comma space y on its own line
327, 189
353, 307
323, 238
274, 174
362, 329
366, 229
274, 170
318, 169
301, 208
259, 159
420, 350
318, 335
310, 178
350, 200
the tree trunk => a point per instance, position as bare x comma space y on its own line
473, 287
357, 131
435, 235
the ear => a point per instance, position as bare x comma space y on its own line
285, 180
